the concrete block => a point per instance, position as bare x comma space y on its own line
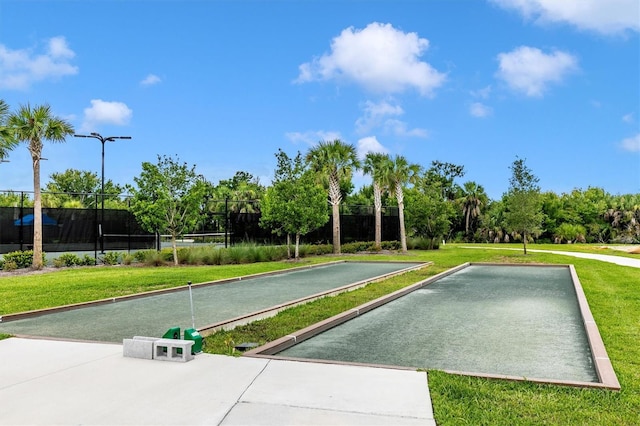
172, 350
138, 348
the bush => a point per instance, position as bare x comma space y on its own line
111, 258
127, 259
67, 259
422, 243
87, 260
22, 259
153, 258
141, 255
9, 265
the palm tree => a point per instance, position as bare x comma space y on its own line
33, 126
396, 177
335, 162
376, 165
472, 199
7, 141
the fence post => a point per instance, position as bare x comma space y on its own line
226, 220
21, 219
95, 229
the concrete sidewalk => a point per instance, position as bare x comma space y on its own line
618, 260
45, 382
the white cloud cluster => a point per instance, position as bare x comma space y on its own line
603, 16
150, 80
528, 70
480, 110
104, 112
19, 69
370, 144
380, 115
312, 137
379, 57
631, 144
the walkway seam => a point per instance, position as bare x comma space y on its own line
244, 391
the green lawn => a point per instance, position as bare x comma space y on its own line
612, 291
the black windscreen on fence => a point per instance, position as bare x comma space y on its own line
89, 229
72, 230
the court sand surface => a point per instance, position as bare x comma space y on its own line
213, 304
501, 321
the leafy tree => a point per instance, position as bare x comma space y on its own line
428, 212
78, 187
7, 139
240, 194
167, 198
524, 203
334, 162
377, 166
33, 126
492, 221
295, 203
445, 174
472, 198
399, 173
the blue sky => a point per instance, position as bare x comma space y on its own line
224, 84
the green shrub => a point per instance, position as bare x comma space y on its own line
67, 259
141, 255
154, 258
9, 265
22, 259
390, 245
421, 243
111, 258
127, 259
233, 255
87, 260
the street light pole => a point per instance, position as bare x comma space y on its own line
102, 140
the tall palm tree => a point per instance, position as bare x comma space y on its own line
396, 177
472, 199
334, 161
377, 165
7, 140
33, 126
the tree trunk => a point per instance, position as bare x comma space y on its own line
288, 246
524, 241
37, 214
403, 235
336, 228
297, 245
174, 247
377, 202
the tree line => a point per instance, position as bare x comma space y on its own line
169, 195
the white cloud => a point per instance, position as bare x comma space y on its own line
150, 80
483, 93
631, 144
399, 128
312, 137
19, 69
103, 112
376, 115
379, 57
370, 144
628, 118
529, 70
603, 16
478, 109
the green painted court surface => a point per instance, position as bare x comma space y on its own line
154, 315
509, 320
